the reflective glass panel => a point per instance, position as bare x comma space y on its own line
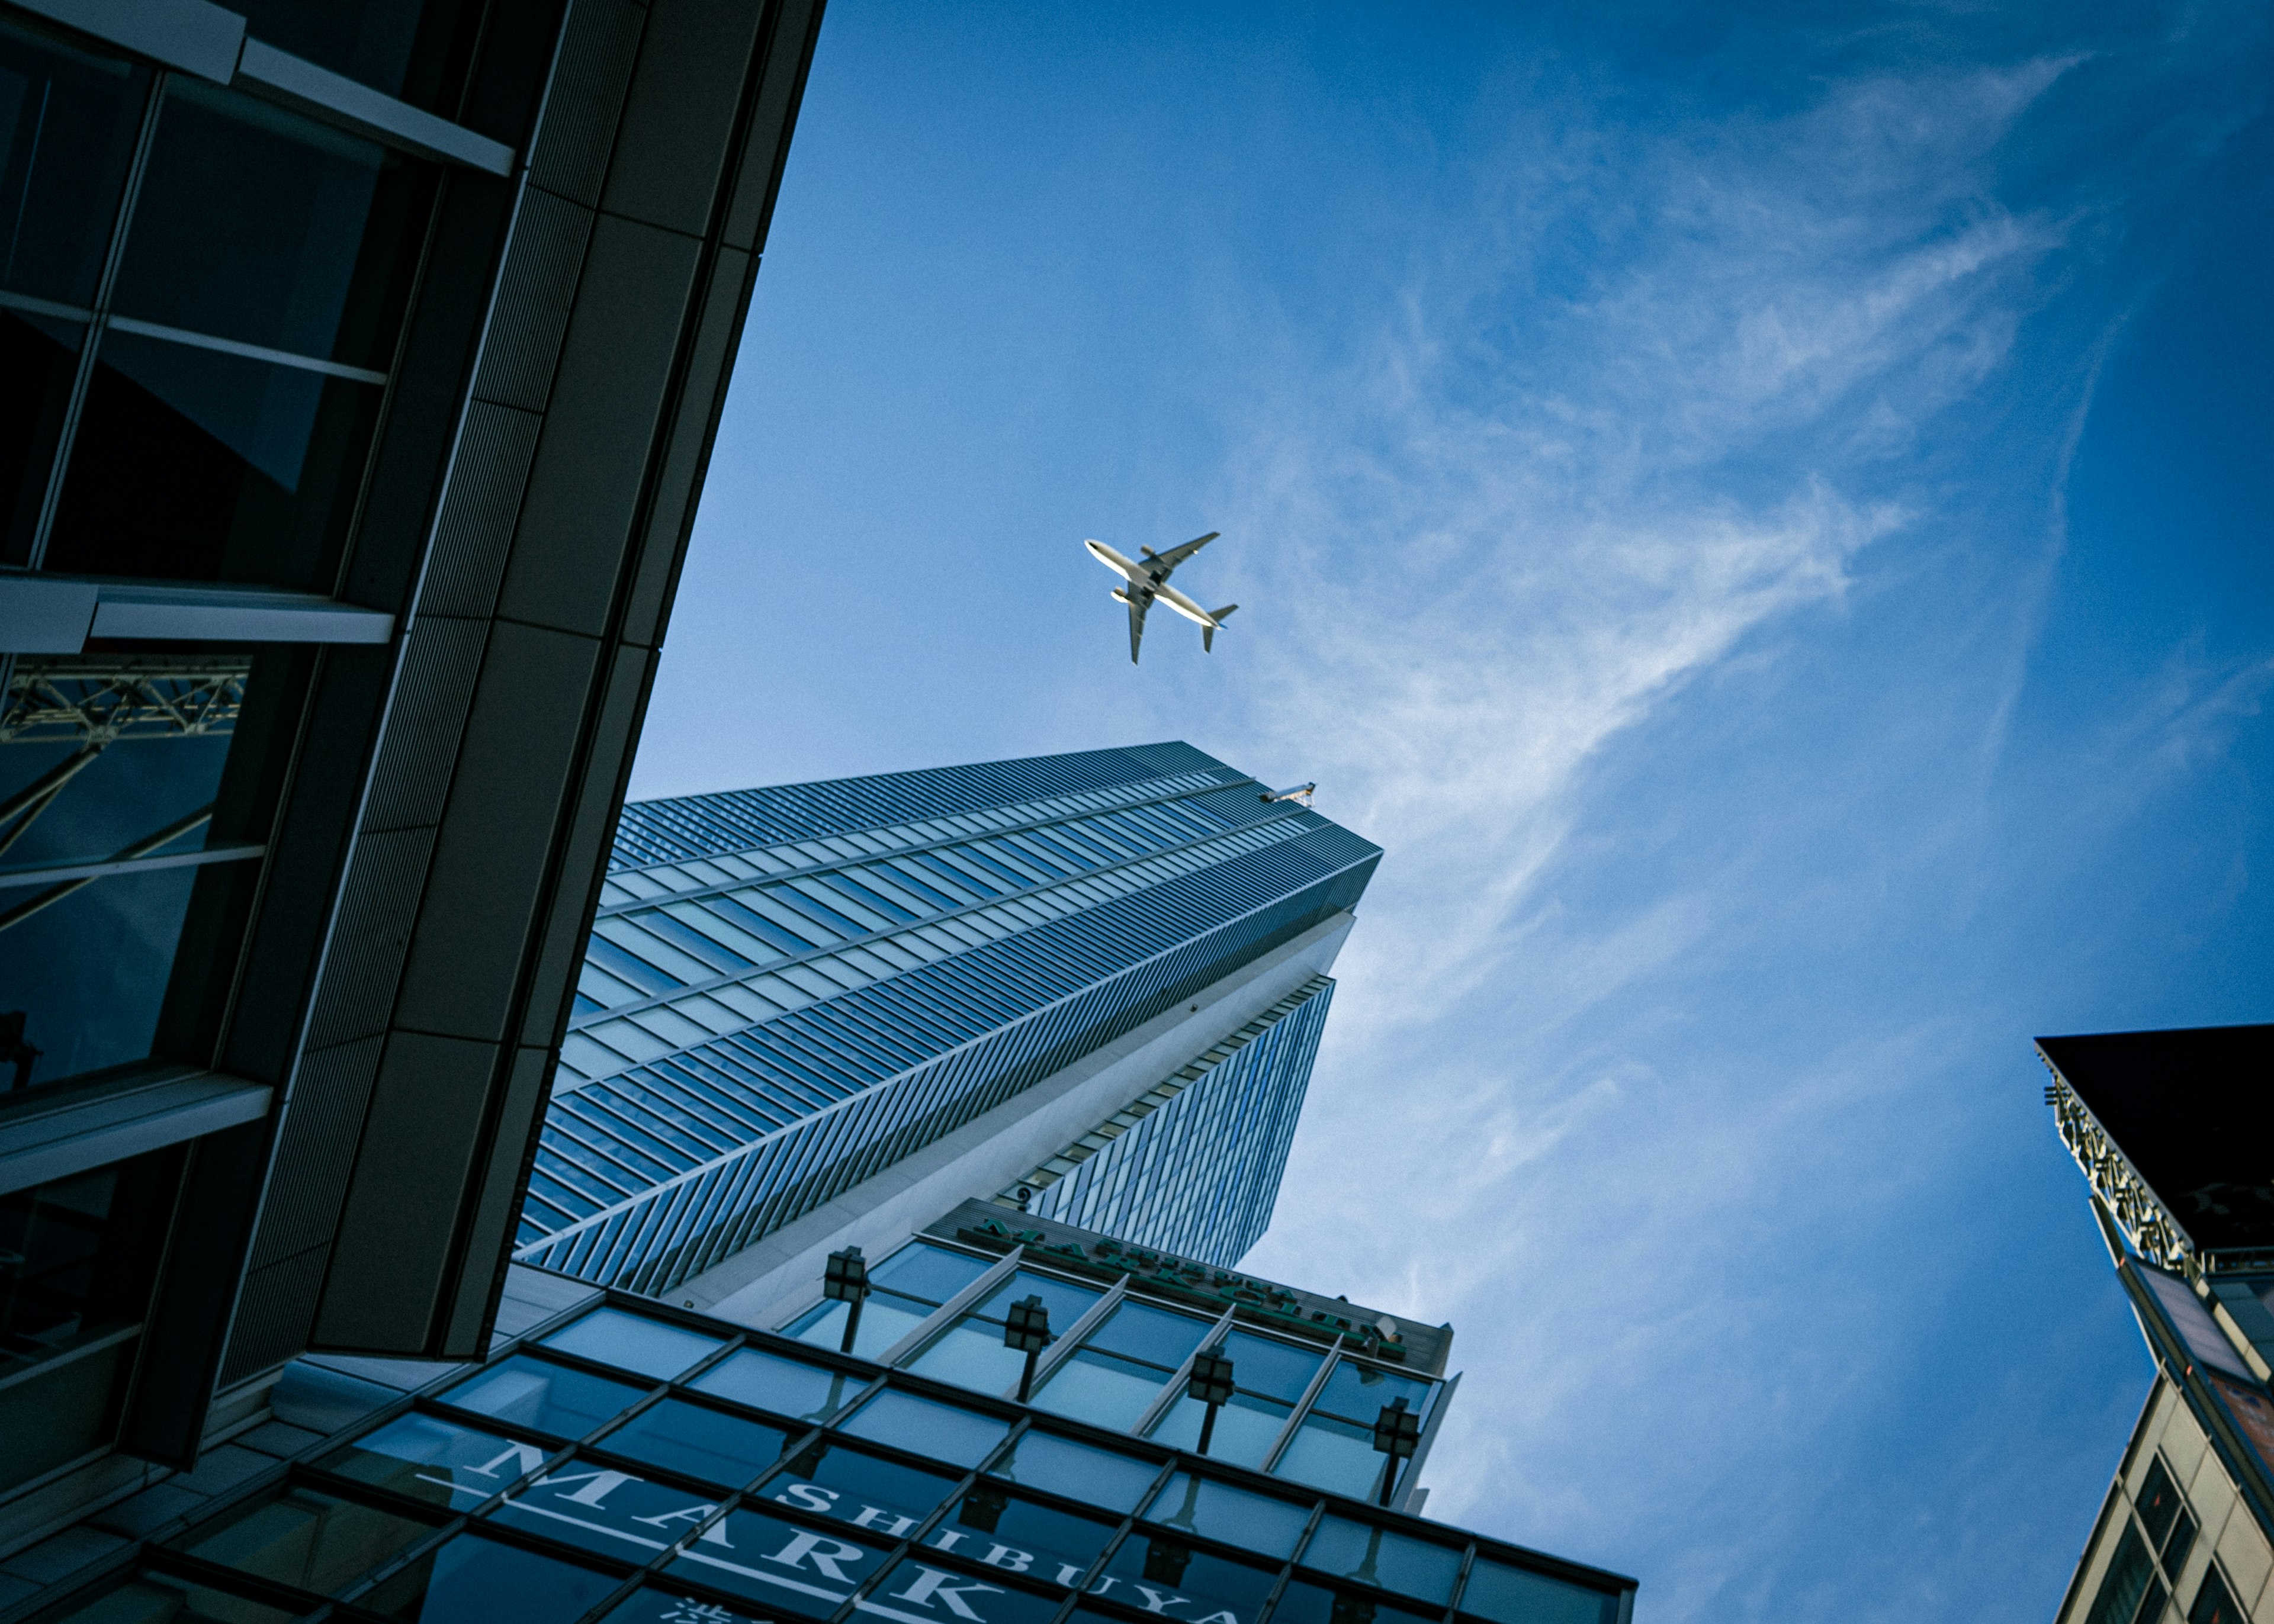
918, 1592
68, 122
865, 1489
784, 1567
39, 356
970, 1353
886, 1318
1100, 1389
431, 1459
699, 1441
1374, 1556
1246, 1428
1065, 1301
1157, 1572
1334, 1455
932, 1273
633, 1343
1143, 1332
652, 1604
1275, 1368
1256, 1522
301, 1536
471, 1580
803, 1392
161, 1598
1316, 1604
1509, 1594
604, 1510
1060, 1466
919, 1425
1006, 1532
1359, 1391
549, 1397
411, 49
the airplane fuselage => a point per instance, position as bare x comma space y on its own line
1148, 583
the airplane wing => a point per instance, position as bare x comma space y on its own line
1175, 556
1137, 607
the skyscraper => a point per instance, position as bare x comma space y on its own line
827, 1012
360, 362
2169, 1130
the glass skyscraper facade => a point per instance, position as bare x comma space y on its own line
1192, 1165
790, 991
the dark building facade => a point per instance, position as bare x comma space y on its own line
360, 362
2169, 1130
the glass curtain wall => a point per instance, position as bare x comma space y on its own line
646, 1470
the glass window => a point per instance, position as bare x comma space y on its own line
431, 1459
414, 50
918, 1592
1375, 1556
971, 1354
1272, 1369
633, 1343
302, 1536
933, 1273
2157, 1502
700, 1441
469, 1578
545, 1396
1333, 1454
865, 1489
1156, 1572
1101, 1389
81, 1255
1245, 1427
919, 1425
784, 1567
805, 1391
2214, 1604
68, 123
603, 1510
999, 1530
1509, 1594
1155, 1335
886, 1318
1358, 1392
1257, 1522
653, 1605
1315, 1604
161, 1598
1060, 1466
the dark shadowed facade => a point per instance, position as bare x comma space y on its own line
360, 362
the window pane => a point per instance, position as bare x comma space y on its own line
258, 225
68, 122
1065, 1301
2213, 1603
161, 1598
549, 1397
918, 1425
470, 1580
432, 1459
2120, 1587
1274, 1368
932, 1273
1246, 1428
651, 1606
1516, 1595
970, 1353
1334, 1455
1256, 1522
1148, 1333
1175, 1571
886, 1318
2157, 1502
633, 1343
1358, 1392
783, 1566
189, 465
402, 48
1315, 1604
39, 355
605, 1510
1100, 1389
804, 1391
1394, 1561
303, 1537
863, 1489
1019, 1535
702, 1442
917, 1592
1060, 1466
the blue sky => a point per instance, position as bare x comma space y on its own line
1761, 512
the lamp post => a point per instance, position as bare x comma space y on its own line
1396, 1433
846, 1280
1210, 1384
1026, 1329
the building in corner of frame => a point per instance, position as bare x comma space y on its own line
2171, 1130
359, 363
1089, 987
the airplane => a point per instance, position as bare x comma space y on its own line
1148, 581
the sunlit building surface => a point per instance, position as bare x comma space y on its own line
2169, 1128
828, 1012
618, 1459
360, 362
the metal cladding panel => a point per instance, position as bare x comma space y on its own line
387, 1203
2189, 1110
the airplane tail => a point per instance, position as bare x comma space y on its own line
1208, 633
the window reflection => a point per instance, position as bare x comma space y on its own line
1060, 1466
551, 1398
300, 1537
68, 122
698, 1441
471, 1578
